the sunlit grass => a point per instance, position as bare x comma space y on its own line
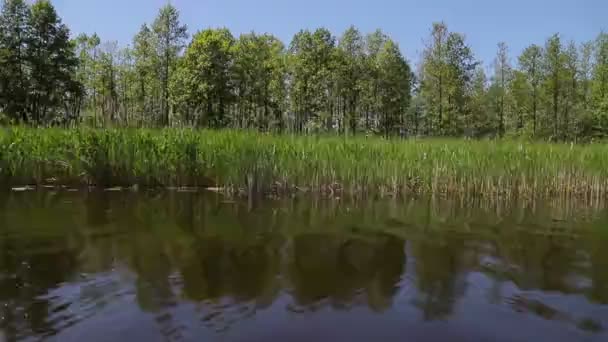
247, 161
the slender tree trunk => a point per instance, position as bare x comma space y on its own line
166, 80
23, 96
520, 123
265, 100
416, 120
555, 104
367, 118
221, 109
502, 103
534, 108
440, 123
353, 116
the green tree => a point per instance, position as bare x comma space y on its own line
480, 123
370, 99
52, 63
108, 93
146, 64
202, 87
530, 63
461, 70
434, 78
553, 81
600, 71
311, 65
519, 89
502, 77
146, 70
259, 80
571, 109
14, 36
351, 75
126, 81
600, 86
394, 87
87, 52
448, 69
415, 114
170, 39
585, 123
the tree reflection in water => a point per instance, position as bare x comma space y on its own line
231, 260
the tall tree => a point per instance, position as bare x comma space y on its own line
14, 37
126, 90
600, 71
448, 68
585, 65
479, 123
461, 70
434, 77
600, 85
108, 81
585, 71
259, 77
370, 88
170, 38
311, 63
519, 88
351, 75
394, 87
87, 52
530, 63
202, 87
570, 91
502, 76
146, 63
52, 63
553, 74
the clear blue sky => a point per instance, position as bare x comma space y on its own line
484, 22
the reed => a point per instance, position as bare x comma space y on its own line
246, 162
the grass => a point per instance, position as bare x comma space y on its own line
250, 162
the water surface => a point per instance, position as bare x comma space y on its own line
194, 267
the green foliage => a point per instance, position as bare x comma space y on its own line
38, 64
318, 83
147, 87
448, 70
312, 58
170, 40
351, 76
394, 87
259, 68
14, 36
203, 84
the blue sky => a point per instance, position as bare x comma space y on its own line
484, 22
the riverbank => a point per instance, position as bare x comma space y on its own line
248, 163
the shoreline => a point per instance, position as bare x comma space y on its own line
245, 164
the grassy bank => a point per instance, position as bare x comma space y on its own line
242, 161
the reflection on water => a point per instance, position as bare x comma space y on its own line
187, 266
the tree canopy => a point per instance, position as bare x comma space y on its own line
355, 83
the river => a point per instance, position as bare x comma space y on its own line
181, 266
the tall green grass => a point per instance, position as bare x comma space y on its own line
246, 161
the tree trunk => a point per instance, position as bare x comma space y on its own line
555, 104
534, 105
440, 123
502, 103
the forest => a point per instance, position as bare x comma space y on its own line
355, 83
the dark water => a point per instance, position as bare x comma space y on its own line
192, 267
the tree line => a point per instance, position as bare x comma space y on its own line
355, 83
